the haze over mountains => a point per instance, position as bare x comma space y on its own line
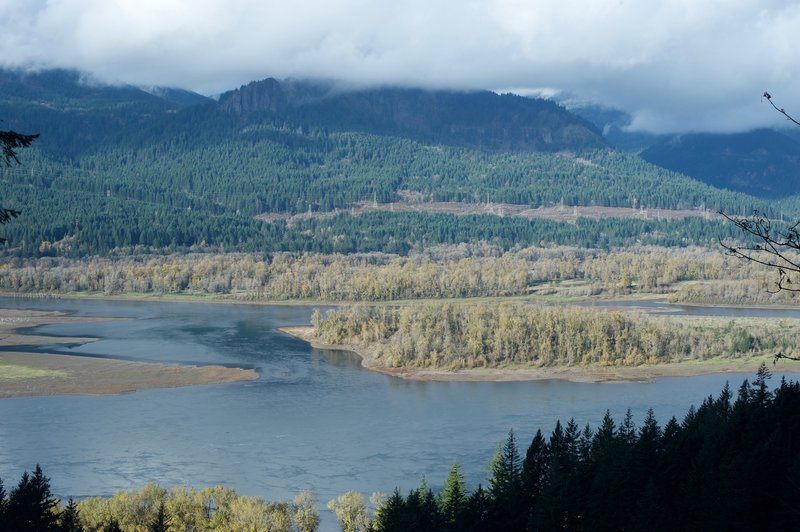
478, 119
764, 162
121, 166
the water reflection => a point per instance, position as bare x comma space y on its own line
336, 358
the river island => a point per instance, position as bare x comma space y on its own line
594, 373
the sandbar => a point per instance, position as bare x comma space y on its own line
28, 374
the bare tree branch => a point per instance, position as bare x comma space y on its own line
775, 247
11, 141
768, 96
779, 356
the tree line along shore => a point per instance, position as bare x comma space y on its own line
457, 336
691, 275
490, 333
30, 506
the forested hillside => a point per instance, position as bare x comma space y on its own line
763, 163
122, 168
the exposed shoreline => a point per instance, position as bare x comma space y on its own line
138, 375
595, 374
35, 374
225, 299
232, 299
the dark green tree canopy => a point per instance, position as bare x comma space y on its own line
31, 506
11, 142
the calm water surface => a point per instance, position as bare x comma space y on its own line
315, 419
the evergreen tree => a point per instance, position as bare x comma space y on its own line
413, 509
70, 520
647, 452
31, 507
760, 393
160, 522
534, 472
453, 499
627, 431
585, 447
429, 517
672, 462
505, 486
649, 441
607, 501
671, 431
562, 491
420, 510
478, 508
391, 515
3, 505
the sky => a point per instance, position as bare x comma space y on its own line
674, 65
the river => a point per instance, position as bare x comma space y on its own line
315, 419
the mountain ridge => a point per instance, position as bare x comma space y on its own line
118, 167
479, 119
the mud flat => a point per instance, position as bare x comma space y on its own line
25, 373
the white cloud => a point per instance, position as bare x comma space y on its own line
676, 65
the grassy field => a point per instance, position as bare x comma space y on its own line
13, 372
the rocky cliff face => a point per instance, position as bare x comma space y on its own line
258, 96
479, 119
